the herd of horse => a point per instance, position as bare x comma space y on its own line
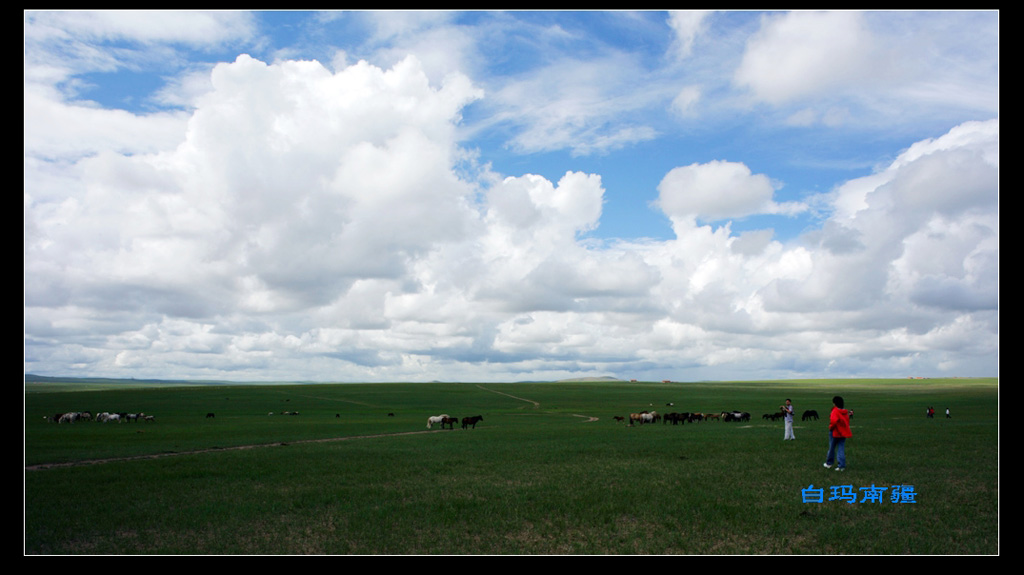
685, 417
445, 419
696, 417
641, 418
105, 417
644, 417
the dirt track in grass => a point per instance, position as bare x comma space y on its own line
216, 449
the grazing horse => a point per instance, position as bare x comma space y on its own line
467, 421
735, 416
619, 418
676, 418
809, 414
449, 421
644, 417
69, 417
209, 415
435, 419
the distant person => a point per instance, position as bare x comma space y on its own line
839, 431
948, 416
788, 418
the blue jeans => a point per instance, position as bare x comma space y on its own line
836, 451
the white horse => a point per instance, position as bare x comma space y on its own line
435, 419
69, 417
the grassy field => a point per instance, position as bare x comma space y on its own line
547, 471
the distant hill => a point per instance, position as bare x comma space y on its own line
105, 381
32, 378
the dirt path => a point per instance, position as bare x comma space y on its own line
536, 404
215, 449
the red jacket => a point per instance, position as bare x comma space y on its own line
839, 423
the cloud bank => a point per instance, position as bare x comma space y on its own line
306, 223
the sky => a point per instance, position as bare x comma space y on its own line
509, 196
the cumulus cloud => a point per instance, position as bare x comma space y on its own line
291, 184
848, 66
802, 53
716, 191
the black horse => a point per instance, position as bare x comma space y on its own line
467, 421
809, 414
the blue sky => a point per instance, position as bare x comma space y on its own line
379, 196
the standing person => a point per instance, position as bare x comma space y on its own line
948, 416
839, 431
788, 411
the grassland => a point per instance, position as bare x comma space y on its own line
548, 471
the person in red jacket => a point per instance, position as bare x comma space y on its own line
839, 430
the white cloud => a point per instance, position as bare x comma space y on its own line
716, 191
687, 26
164, 26
63, 45
685, 101
61, 130
862, 68
588, 107
800, 54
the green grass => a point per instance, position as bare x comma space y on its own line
534, 477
